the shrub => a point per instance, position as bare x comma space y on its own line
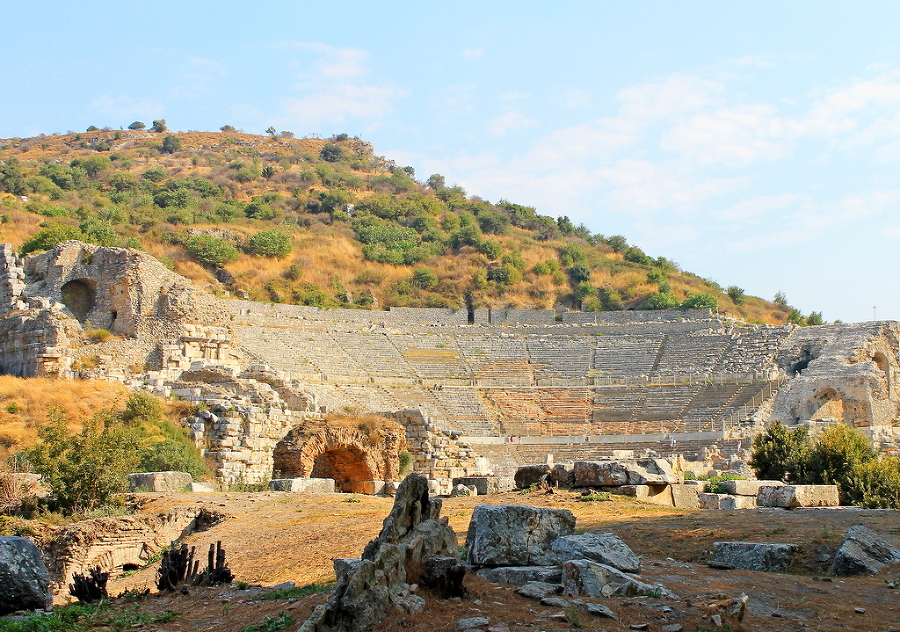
780, 453
137, 125
661, 300
424, 278
331, 153
211, 251
48, 237
877, 484
270, 243
165, 456
171, 144
736, 294
579, 273
84, 470
700, 300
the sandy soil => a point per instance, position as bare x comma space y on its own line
272, 538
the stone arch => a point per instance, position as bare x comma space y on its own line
352, 458
827, 403
79, 297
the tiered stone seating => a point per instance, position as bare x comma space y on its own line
691, 353
375, 353
496, 359
662, 403
434, 357
561, 356
710, 400
617, 404
466, 412
753, 351
619, 356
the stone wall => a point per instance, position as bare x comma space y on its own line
262, 370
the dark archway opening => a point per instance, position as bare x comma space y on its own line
78, 297
347, 466
801, 362
130, 567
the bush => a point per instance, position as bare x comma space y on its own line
736, 294
48, 237
332, 153
270, 243
166, 456
211, 251
137, 125
780, 453
171, 144
84, 470
661, 300
700, 300
424, 278
877, 484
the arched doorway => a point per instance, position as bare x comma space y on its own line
827, 404
351, 458
78, 297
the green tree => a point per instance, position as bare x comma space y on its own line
736, 294
424, 278
435, 182
579, 273
780, 453
12, 180
700, 300
490, 248
270, 243
268, 172
494, 222
49, 236
171, 144
137, 125
661, 300
815, 318
159, 126
332, 153
227, 129
87, 469
780, 298
211, 251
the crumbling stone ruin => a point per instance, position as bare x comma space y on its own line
474, 392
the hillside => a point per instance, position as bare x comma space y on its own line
328, 223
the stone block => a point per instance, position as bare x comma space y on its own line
725, 501
303, 485
789, 496
515, 535
752, 556
747, 488
599, 473
202, 488
562, 476
159, 481
539, 590
485, 485
606, 548
520, 575
652, 494
344, 567
863, 551
686, 496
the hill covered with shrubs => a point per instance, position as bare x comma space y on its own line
327, 222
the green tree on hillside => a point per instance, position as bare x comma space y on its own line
159, 126
171, 144
137, 125
270, 243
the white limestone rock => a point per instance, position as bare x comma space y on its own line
515, 535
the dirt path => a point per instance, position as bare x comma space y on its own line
272, 538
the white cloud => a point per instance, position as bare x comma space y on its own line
473, 53
343, 63
509, 122
337, 103
736, 136
752, 209
124, 107
675, 94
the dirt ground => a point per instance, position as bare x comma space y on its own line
274, 537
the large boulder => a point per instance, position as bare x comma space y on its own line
529, 475
752, 556
381, 582
24, 580
624, 472
515, 535
606, 548
863, 551
590, 579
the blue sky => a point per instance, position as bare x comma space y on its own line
757, 144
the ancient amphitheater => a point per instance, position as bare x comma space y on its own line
472, 392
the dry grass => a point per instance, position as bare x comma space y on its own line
25, 403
